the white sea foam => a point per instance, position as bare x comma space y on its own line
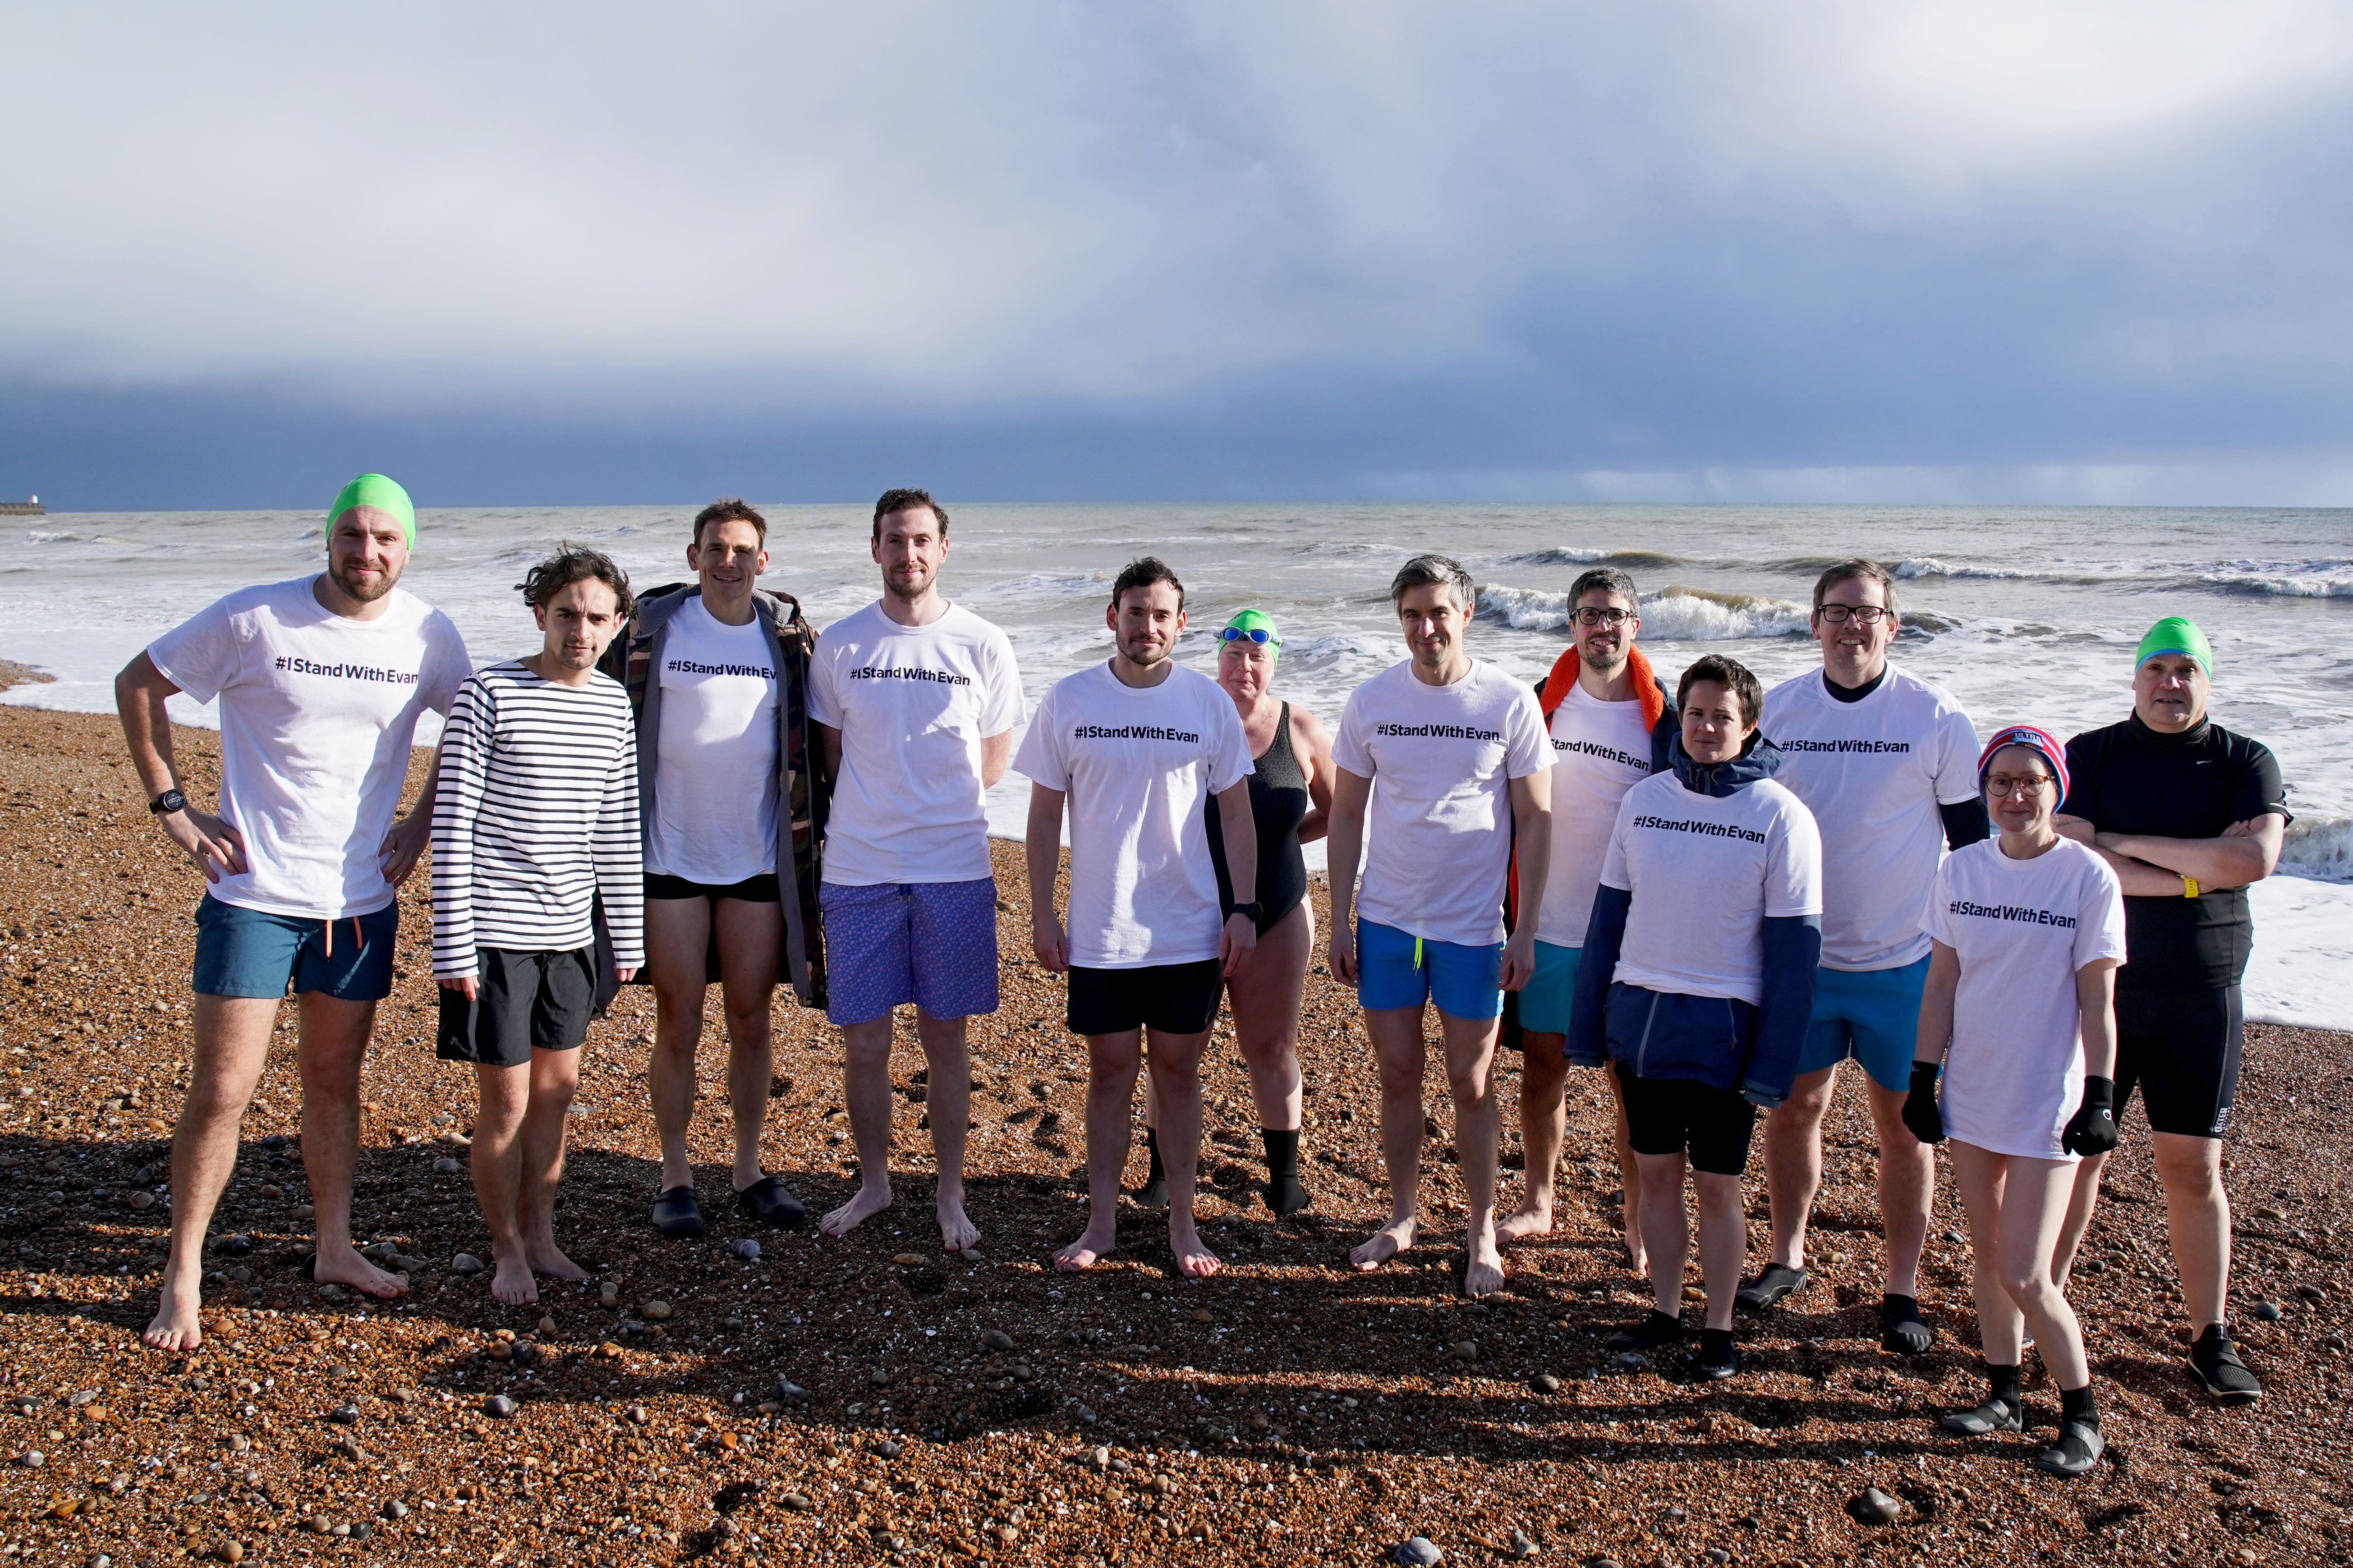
2326, 579
2319, 847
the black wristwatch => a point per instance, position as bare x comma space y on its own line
170, 801
1253, 911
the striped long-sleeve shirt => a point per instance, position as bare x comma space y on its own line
536, 815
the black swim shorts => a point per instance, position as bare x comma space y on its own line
2180, 1049
1174, 998
759, 889
1681, 1116
522, 1002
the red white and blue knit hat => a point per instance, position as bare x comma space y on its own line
2041, 741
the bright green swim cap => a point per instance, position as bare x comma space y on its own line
2176, 634
376, 491
1258, 621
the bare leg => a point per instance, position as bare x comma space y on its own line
1793, 1162
231, 1048
2198, 1222
678, 934
1471, 1076
1544, 1127
866, 1089
947, 1100
334, 1039
503, 1098
555, 1080
2033, 1203
1630, 1181
1175, 1066
751, 950
1723, 1242
1665, 1232
1266, 994
1397, 1055
1979, 1177
1907, 1189
2081, 1205
1112, 1061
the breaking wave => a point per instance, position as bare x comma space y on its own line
1673, 614
2320, 846
2328, 579
1571, 555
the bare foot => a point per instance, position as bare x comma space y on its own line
1193, 1261
1089, 1249
510, 1281
956, 1232
1637, 1257
1531, 1219
1384, 1244
1482, 1274
863, 1205
176, 1326
343, 1266
546, 1258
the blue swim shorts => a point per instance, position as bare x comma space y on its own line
1395, 970
251, 953
1546, 1000
1871, 1015
888, 943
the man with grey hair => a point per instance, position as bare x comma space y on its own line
1459, 753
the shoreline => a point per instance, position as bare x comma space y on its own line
1300, 1411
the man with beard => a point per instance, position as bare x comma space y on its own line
915, 700
320, 682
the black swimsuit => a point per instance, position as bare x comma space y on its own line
1279, 803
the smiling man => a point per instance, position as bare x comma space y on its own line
2187, 815
320, 682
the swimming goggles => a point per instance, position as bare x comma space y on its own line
1256, 635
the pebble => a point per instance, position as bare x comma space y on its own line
1875, 1507
791, 1392
142, 1200
236, 1245
33, 1460
331, 1291
448, 1166
344, 1414
2313, 1292
745, 1247
1464, 1350
2267, 1312
396, 1509
798, 1502
655, 1311
274, 1141
890, 1449
547, 1325
880, 1378
465, 1263
908, 1259
1417, 1553
499, 1407
1101, 1457
1718, 1554
1521, 1546
1545, 1382
997, 1340
970, 1255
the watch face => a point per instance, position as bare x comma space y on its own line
170, 800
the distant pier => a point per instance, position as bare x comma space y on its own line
32, 508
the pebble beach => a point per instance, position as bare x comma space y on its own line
779, 1397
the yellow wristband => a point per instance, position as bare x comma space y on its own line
2189, 887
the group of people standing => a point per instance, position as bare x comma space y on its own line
1718, 893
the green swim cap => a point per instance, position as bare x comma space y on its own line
376, 491
2176, 634
1257, 621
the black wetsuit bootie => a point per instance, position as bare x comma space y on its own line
2080, 1445
2004, 1409
1284, 1196
1901, 1328
1154, 1193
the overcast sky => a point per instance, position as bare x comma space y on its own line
583, 253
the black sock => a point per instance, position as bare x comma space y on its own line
1156, 1180
2213, 1331
2003, 1384
1714, 1345
1660, 1327
1284, 1196
2077, 1404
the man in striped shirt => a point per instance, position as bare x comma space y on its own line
534, 848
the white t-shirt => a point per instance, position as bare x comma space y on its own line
2014, 1072
1706, 872
714, 816
1600, 750
913, 704
1874, 773
317, 714
1137, 763
1439, 830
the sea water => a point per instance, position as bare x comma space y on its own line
2024, 613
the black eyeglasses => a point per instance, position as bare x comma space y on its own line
1587, 616
1256, 635
1867, 615
2002, 787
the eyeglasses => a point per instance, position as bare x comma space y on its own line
1864, 614
2002, 787
1587, 616
1256, 635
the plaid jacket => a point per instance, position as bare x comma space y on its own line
803, 791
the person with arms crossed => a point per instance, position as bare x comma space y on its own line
915, 700
320, 682
534, 838
2187, 815
1611, 723
1135, 746
1697, 979
2016, 1041
732, 796
1443, 764
1886, 761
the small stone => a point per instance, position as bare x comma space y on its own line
890, 1449
2267, 1312
1464, 1350
344, 1414
1875, 1507
997, 1340
638, 1415
236, 1245
232, 1552
465, 1263
745, 1247
970, 1255
1545, 1382
1101, 1457
396, 1509
331, 1291
274, 1141
2313, 1292
547, 1325
33, 1459
272, 1192
1006, 1535
499, 1407
908, 1259
527, 1354
791, 1392
1417, 1553
1955, 1238
362, 1530
142, 1200
796, 1501
1521, 1546
880, 1378
655, 1311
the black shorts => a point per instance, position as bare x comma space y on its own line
2180, 1048
1174, 998
1681, 1116
521, 1001
759, 889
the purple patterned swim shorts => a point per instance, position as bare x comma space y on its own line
931, 943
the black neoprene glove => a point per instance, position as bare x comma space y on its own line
1920, 1112
2092, 1129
